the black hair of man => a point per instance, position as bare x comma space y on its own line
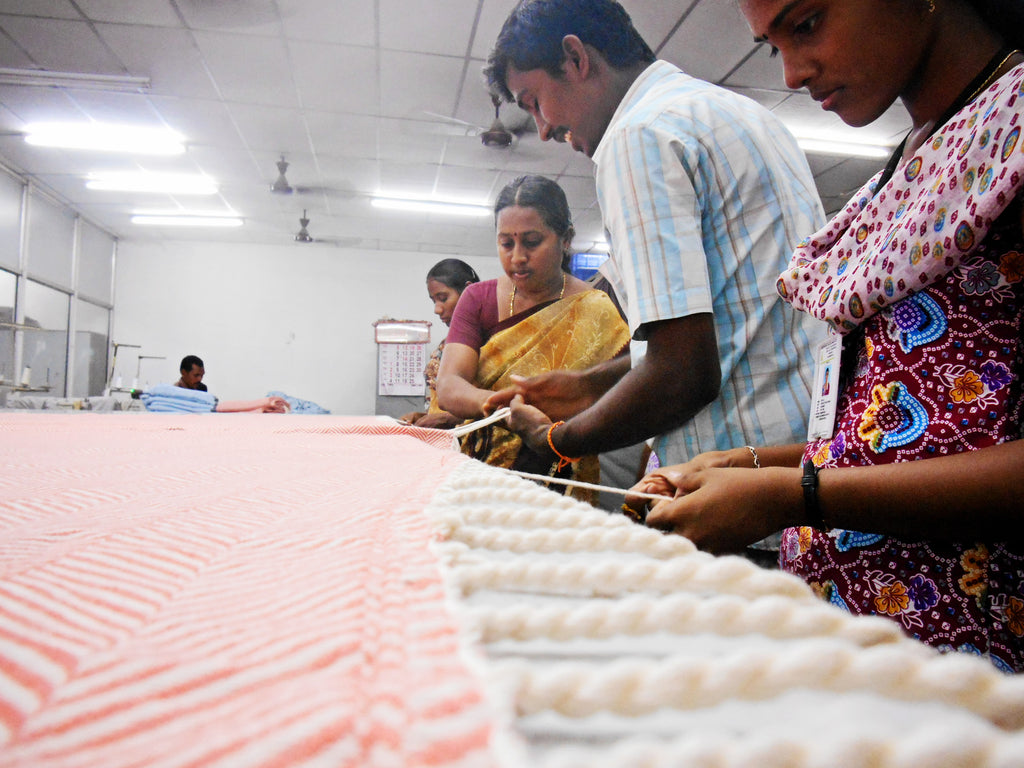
532, 35
188, 361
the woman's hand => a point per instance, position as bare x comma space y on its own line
275, 404
719, 503
438, 420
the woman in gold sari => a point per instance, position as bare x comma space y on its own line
534, 318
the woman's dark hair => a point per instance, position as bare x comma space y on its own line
531, 38
454, 273
1005, 17
544, 196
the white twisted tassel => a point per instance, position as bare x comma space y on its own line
632, 539
683, 614
698, 572
509, 516
907, 671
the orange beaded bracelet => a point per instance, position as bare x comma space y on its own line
563, 461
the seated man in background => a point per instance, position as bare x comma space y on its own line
192, 372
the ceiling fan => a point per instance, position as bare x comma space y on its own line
303, 236
496, 136
281, 185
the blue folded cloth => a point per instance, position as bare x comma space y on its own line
299, 406
167, 398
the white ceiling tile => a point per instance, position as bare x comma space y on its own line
251, 17
270, 129
340, 78
36, 105
689, 50
349, 22
759, 70
61, 45
345, 177
168, 57
767, 98
11, 54
655, 20
411, 179
146, 12
444, 29
51, 9
342, 133
103, 107
468, 182
202, 122
492, 15
248, 72
412, 83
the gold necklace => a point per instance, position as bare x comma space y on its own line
512, 299
992, 77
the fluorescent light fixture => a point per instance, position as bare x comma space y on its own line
143, 181
185, 220
431, 205
44, 78
106, 137
837, 142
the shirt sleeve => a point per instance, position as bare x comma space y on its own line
470, 319
649, 182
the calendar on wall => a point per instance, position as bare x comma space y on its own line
401, 356
400, 369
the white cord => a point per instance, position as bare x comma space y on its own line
473, 426
500, 414
591, 486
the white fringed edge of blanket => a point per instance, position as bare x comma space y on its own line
497, 531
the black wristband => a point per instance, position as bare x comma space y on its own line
812, 511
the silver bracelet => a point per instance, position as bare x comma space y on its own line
753, 452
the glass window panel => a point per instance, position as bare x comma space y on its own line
91, 325
8, 290
45, 353
10, 220
51, 236
95, 263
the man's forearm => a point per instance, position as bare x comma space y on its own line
678, 376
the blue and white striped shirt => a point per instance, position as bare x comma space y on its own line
704, 195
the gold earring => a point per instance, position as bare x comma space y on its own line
931, 6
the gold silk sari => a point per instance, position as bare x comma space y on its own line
574, 333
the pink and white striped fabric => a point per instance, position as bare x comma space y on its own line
227, 590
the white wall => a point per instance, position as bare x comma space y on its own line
296, 318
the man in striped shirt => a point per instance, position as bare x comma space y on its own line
704, 194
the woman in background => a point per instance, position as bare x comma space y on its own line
535, 317
908, 502
446, 281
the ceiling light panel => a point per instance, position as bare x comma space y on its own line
419, 205
107, 137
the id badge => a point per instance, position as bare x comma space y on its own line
825, 394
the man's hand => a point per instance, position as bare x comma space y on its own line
560, 394
530, 424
